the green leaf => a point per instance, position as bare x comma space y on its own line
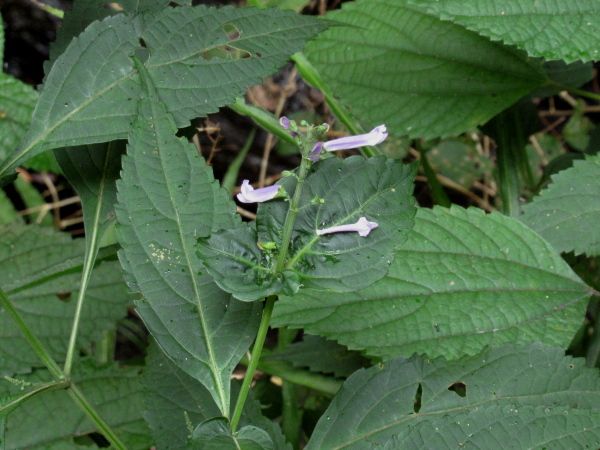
237, 265
17, 101
214, 434
320, 355
463, 280
339, 192
421, 76
568, 31
39, 270
567, 212
8, 213
459, 160
33, 198
50, 420
214, 53
168, 198
532, 397
296, 5
176, 402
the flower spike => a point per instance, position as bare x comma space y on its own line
363, 227
250, 195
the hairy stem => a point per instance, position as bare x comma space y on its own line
263, 119
59, 375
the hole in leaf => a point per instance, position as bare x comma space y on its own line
459, 388
64, 296
115, 6
225, 52
418, 395
231, 31
142, 42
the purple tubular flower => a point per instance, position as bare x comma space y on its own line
374, 137
250, 195
363, 227
284, 122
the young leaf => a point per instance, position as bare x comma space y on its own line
567, 212
568, 31
462, 281
50, 421
168, 199
320, 355
339, 192
424, 77
214, 54
40, 270
237, 265
532, 397
176, 402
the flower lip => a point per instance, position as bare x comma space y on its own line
250, 195
316, 151
376, 136
363, 227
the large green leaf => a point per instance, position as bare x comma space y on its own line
463, 280
510, 397
213, 53
168, 198
40, 271
214, 434
17, 101
567, 212
568, 31
50, 420
338, 192
421, 76
174, 402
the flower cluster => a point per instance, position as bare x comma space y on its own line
363, 227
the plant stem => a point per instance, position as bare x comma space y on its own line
263, 119
310, 74
234, 168
256, 351
59, 13
33, 341
58, 374
583, 93
288, 227
437, 191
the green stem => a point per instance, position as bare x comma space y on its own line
310, 74
49, 9
57, 373
288, 227
33, 341
233, 170
263, 119
256, 351
437, 191
50, 386
86, 407
583, 93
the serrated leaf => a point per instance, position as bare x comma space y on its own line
462, 281
174, 402
566, 31
40, 271
17, 101
421, 76
320, 355
50, 420
237, 265
8, 213
168, 198
567, 212
213, 53
531, 397
296, 5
